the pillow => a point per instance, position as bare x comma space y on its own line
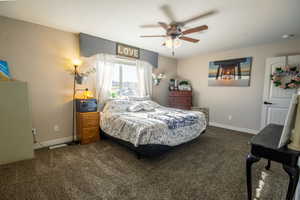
143, 105
146, 98
136, 107
117, 105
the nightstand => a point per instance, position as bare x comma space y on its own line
204, 110
87, 127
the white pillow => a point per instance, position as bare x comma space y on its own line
146, 98
143, 105
135, 107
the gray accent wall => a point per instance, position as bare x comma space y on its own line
91, 45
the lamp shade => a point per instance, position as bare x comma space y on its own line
170, 43
76, 62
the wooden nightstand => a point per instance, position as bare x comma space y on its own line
87, 124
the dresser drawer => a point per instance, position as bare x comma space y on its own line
180, 93
90, 132
180, 100
89, 115
89, 135
87, 123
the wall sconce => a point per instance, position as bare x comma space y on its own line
158, 78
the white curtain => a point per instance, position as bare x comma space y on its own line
102, 81
144, 74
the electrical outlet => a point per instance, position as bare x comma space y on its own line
34, 131
229, 117
56, 128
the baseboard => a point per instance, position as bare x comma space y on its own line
52, 142
246, 130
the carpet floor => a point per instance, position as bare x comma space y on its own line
211, 167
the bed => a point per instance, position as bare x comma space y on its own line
149, 128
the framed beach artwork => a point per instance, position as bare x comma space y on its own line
234, 72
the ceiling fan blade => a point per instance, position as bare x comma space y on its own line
153, 36
189, 39
150, 26
164, 25
198, 17
194, 30
168, 12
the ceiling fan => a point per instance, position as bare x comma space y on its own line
174, 30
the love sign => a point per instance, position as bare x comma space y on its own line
128, 51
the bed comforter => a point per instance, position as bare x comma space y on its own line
151, 124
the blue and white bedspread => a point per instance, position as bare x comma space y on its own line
176, 119
146, 122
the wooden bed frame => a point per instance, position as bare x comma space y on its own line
146, 150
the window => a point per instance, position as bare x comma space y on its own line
125, 81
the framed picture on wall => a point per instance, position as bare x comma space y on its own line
234, 72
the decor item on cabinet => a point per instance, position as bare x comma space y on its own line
234, 72
86, 105
286, 77
180, 99
158, 78
88, 127
172, 84
184, 85
85, 93
4, 71
204, 110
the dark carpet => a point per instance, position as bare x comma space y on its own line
211, 167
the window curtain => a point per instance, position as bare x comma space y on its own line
144, 74
102, 81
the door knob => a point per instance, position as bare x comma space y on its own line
267, 103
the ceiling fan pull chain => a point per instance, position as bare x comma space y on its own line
173, 53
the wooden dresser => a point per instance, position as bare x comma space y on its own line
87, 124
180, 99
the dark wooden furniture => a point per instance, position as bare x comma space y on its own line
180, 99
87, 125
264, 145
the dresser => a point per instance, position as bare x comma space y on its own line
180, 99
87, 127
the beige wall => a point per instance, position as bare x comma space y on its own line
242, 103
40, 56
168, 66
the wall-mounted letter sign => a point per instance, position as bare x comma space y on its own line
128, 51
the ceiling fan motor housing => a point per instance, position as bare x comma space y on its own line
174, 31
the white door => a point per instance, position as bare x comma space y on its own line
276, 100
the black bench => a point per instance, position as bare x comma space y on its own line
264, 145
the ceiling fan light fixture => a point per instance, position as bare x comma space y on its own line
173, 43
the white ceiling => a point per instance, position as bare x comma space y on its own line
238, 23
